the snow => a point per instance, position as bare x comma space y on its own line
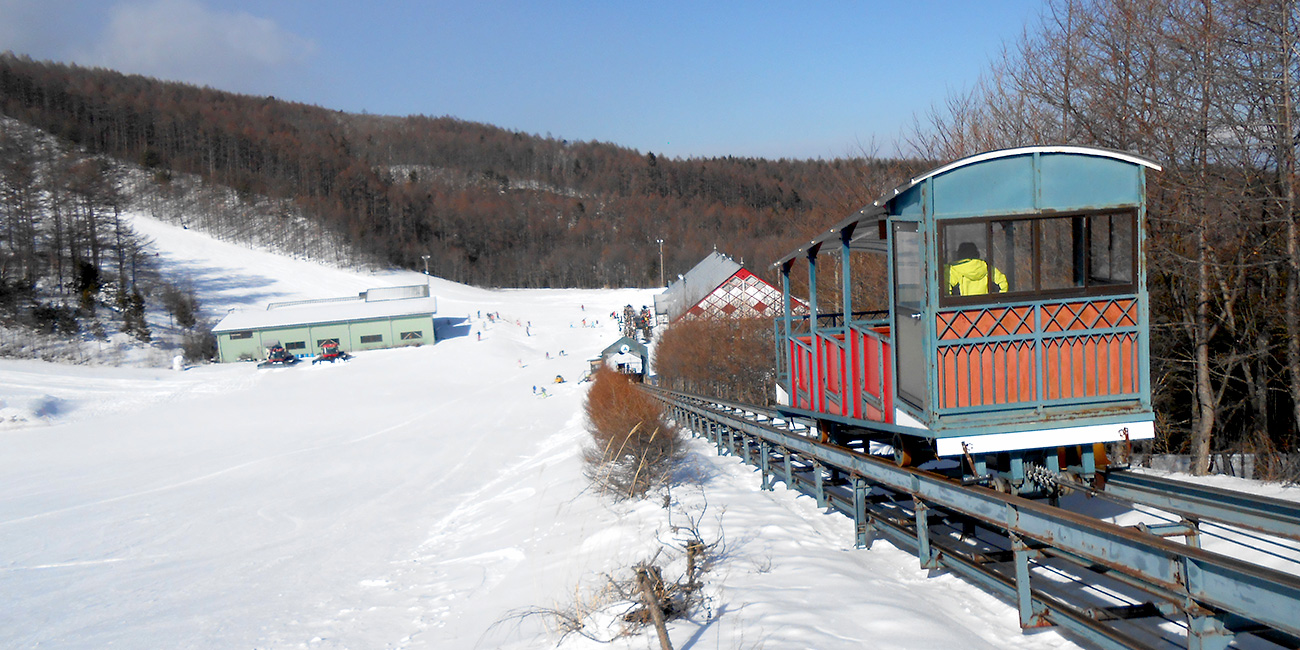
411, 498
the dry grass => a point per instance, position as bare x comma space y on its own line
634, 450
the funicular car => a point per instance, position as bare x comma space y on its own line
1017, 327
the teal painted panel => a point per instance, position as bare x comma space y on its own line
1073, 182
999, 186
907, 204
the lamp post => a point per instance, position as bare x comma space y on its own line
661, 261
426, 263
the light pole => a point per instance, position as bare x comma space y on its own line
426, 263
661, 261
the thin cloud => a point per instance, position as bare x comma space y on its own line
184, 40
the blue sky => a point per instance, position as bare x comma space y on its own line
818, 78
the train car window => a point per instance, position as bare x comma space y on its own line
1110, 249
1061, 253
985, 258
1012, 246
909, 291
965, 262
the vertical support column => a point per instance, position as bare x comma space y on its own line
765, 464
1017, 472
819, 483
922, 512
849, 401
1193, 535
786, 351
1205, 632
860, 518
1024, 588
815, 384
744, 446
1088, 461
789, 469
717, 437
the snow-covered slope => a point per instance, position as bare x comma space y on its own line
420, 498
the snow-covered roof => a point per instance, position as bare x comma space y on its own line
689, 289
633, 346
338, 311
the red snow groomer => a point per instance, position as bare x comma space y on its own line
331, 352
277, 356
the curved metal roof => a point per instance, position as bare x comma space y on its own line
863, 240
1020, 151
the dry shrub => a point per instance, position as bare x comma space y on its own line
634, 449
729, 359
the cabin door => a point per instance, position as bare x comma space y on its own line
909, 325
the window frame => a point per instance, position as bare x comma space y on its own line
1036, 293
375, 338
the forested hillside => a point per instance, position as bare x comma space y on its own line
488, 206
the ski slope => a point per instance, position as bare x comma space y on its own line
413, 498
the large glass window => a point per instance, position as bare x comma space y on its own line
1060, 253
1012, 245
1069, 254
1110, 248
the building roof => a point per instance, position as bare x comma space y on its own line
342, 310
633, 347
697, 283
743, 295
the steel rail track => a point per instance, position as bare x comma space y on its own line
1219, 596
1200, 502
1195, 503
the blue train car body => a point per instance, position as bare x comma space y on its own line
1017, 319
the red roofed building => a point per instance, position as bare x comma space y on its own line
718, 288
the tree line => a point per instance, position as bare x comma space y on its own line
61, 227
487, 205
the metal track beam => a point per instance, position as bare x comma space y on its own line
1200, 502
1206, 586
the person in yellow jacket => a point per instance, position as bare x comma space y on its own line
968, 276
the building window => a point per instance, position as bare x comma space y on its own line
234, 336
320, 343
296, 345
372, 338
412, 336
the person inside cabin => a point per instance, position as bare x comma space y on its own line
968, 274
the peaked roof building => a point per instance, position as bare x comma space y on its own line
718, 288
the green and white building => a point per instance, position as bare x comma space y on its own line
387, 317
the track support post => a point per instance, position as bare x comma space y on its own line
789, 468
819, 483
1206, 632
862, 522
923, 551
765, 464
1024, 588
